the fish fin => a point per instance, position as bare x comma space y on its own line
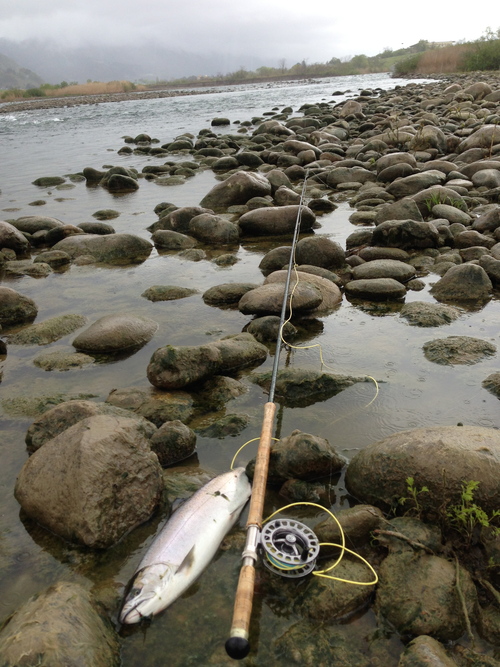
188, 561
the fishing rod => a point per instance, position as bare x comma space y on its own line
238, 646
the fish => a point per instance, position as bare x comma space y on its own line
185, 546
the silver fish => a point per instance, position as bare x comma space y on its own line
186, 545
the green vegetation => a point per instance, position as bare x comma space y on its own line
466, 517
485, 52
413, 494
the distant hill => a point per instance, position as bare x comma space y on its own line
12, 75
111, 63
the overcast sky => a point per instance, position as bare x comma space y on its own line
293, 30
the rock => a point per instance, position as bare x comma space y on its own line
48, 331
227, 293
268, 299
178, 220
471, 238
56, 234
301, 456
405, 234
488, 221
410, 185
332, 600
451, 213
330, 293
173, 367
213, 230
25, 267
54, 258
236, 189
173, 442
116, 333
105, 214
167, 293
11, 237
395, 158
299, 388
229, 425
62, 360
424, 651
15, 308
275, 221
357, 523
485, 137
267, 328
377, 474
384, 268
170, 240
339, 175
404, 209
275, 259
492, 384
48, 181
458, 350
222, 121
35, 223
370, 253
52, 628
120, 183
487, 178
422, 314
430, 197
112, 248
401, 527
380, 289
417, 594
155, 406
462, 283
101, 228
296, 490
57, 419
108, 481
284, 196
320, 251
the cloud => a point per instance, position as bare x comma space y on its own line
269, 29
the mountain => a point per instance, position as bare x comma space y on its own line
148, 62
12, 75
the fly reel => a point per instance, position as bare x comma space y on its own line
290, 548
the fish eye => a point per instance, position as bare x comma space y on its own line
134, 592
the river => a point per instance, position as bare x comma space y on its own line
355, 339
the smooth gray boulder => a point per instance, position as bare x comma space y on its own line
403, 209
35, 223
93, 482
170, 240
174, 367
167, 293
379, 289
410, 185
15, 308
11, 237
438, 457
213, 229
116, 333
276, 220
112, 248
236, 189
61, 625
320, 251
155, 406
226, 293
425, 651
331, 295
268, 298
384, 268
463, 283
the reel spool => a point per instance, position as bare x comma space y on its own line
290, 548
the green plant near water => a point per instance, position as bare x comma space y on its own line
466, 516
413, 494
435, 198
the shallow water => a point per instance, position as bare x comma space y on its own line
356, 339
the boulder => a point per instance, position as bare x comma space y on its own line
15, 308
485, 137
406, 234
61, 625
116, 333
173, 442
155, 406
92, 483
330, 293
455, 350
268, 298
384, 268
173, 367
462, 283
35, 223
11, 237
236, 189
213, 230
438, 457
320, 251
227, 293
423, 314
276, 220
48, 331
178, 220
379, 289
109, 249
59, 418
410, 185
418, 595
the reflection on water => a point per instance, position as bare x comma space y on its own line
356, 339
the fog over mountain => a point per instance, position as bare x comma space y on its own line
55, 63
